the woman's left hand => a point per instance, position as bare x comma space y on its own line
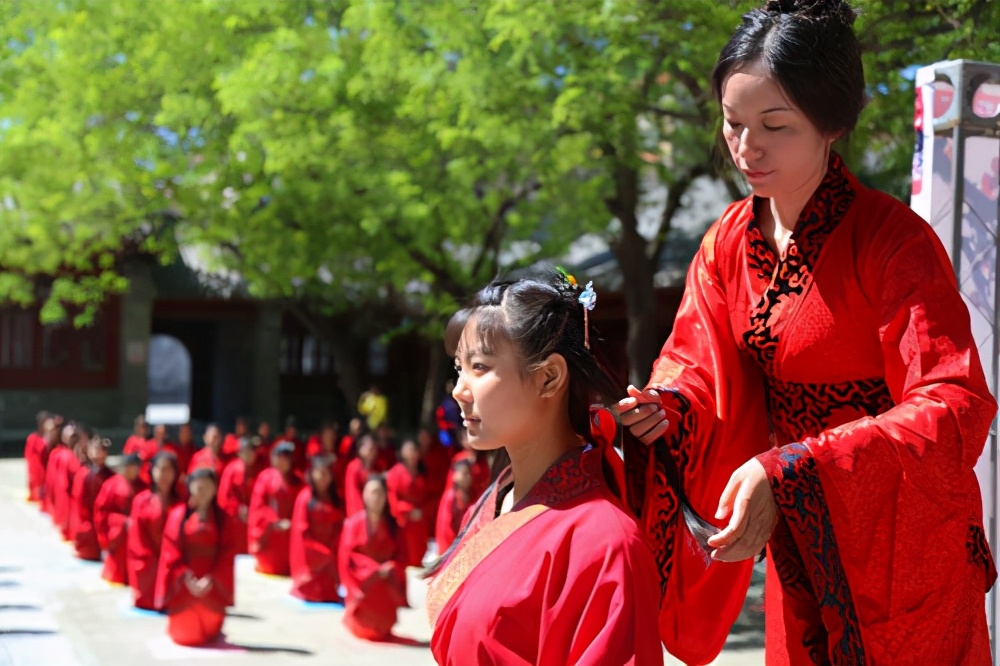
748, 502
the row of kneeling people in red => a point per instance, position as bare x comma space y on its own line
173, 539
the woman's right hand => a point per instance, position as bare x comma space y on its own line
643, 414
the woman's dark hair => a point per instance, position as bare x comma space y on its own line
387, 516
202, 473
421, 465
810, 49
322, 461
171, 460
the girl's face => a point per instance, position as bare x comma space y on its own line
374, 497
461, 477
499, 401
321, 478
773, 144
202, 492
164, 476
409, 453
367, 451
97, 453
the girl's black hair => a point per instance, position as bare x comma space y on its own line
811, 50
171, 459
540, 314
387, 516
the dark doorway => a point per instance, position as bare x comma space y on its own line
199, 338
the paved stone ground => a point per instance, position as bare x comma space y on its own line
56, 611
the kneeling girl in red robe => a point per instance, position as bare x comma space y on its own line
87, 486
271, 508
454, 503
195, 579
371, 565
236, 488
150, 509
317, 522
409, 501
111, 515
549, 567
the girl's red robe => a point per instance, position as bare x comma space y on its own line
235, 492
373, 572
111, 515
273, 500
87, 486
848, 368
314, 541
199, 548
143, 543
408, 492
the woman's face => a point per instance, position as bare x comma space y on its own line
367, 451
773, 144
499, 402
163, 474
97, 453
321, 478
374, 497
409, 453
202, 492
461, 477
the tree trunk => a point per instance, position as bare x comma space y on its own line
433, 385
640, 303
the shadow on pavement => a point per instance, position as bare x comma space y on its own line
243, 616
27, 632
19, 607
267, 649
5, 569
9, 583
408, 642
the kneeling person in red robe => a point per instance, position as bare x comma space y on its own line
271, 508
87, 486
195, 579
150, 509
408, 501
372, 566
317, 522
454, 503
236, 488
111, 514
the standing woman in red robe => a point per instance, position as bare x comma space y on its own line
437, 461
231, 443
270, 515
183, 450
236, 489
111, 514
195, 579
454, 503
408, 502
549, 567
209, 455
371, 565
358, 471
71, 465
821, 393
317, 521
150, 509
86, 487
56, 484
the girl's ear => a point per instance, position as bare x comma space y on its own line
552, 376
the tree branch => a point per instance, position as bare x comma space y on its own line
494, 235
673, 203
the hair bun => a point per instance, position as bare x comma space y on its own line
815, 10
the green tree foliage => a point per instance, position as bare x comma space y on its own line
342, 153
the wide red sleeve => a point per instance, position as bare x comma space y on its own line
444, 533
898, 490
353, 501
262, 512
172, 567
306, 551
356, 568
141, 546
230, 486
711, 393
223, 572
81, 516
598, 583
397, 482
109, 518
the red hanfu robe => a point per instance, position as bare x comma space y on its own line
437, 461
372, 570
230, 448
273, 499
201, 548
63, 500
54, 471
314, 540
87, 486
563, 578
235, 492
853, 356
480, 472
33, 447
355, 479
145, 536
406, 493
111, 514
205, 458
386, 458
449, 517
